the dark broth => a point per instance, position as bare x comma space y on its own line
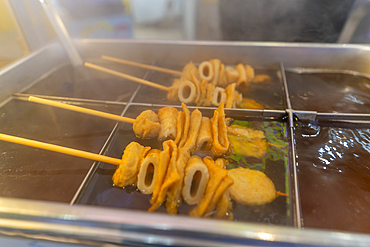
329, 92
334, 176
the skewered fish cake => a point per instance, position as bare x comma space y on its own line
167, 118
174, 192
218, 182
148, 172
224, 207
251, 187
219, 131
195, 181
126, 173
195, 124
163, 163
147, 125
172, 175
204, 141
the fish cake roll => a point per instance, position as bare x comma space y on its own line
203, 93
209, 97
224, 207
173, 93
204, 141
179, 126
168, 119
187, 92
174, 192
216, 63
148, 172
249, 72
147, 125
188, 70
195, 123
221, 142
242, 80
172, 176
232, 75
126, 172
186, 126
219, 96
222, 81
216, 176
230, 96
197, 83
205, 70
195, 181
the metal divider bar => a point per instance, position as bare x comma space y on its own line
295, 174
106, 145
285, 86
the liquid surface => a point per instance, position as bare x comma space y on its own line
334, 176
329, 92
31, 173
100, 190
86, 83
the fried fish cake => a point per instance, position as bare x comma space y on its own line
251, 187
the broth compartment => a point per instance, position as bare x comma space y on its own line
36, 174
266, 151
348, 93
334, 176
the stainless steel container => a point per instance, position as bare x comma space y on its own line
38, 175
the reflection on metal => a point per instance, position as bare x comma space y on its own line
62, 33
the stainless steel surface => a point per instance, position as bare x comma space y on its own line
119, 226
258, 55
122, 226
22, 73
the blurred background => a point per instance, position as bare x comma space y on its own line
24, 26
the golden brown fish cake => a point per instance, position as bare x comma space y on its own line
221, 142
147, 124
174, 90
172, 177
168, 119
126, 173
204, 141
195, 124
251, 187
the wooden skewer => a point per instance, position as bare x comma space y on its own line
129, 77
81, 109
59, 149
142, 65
